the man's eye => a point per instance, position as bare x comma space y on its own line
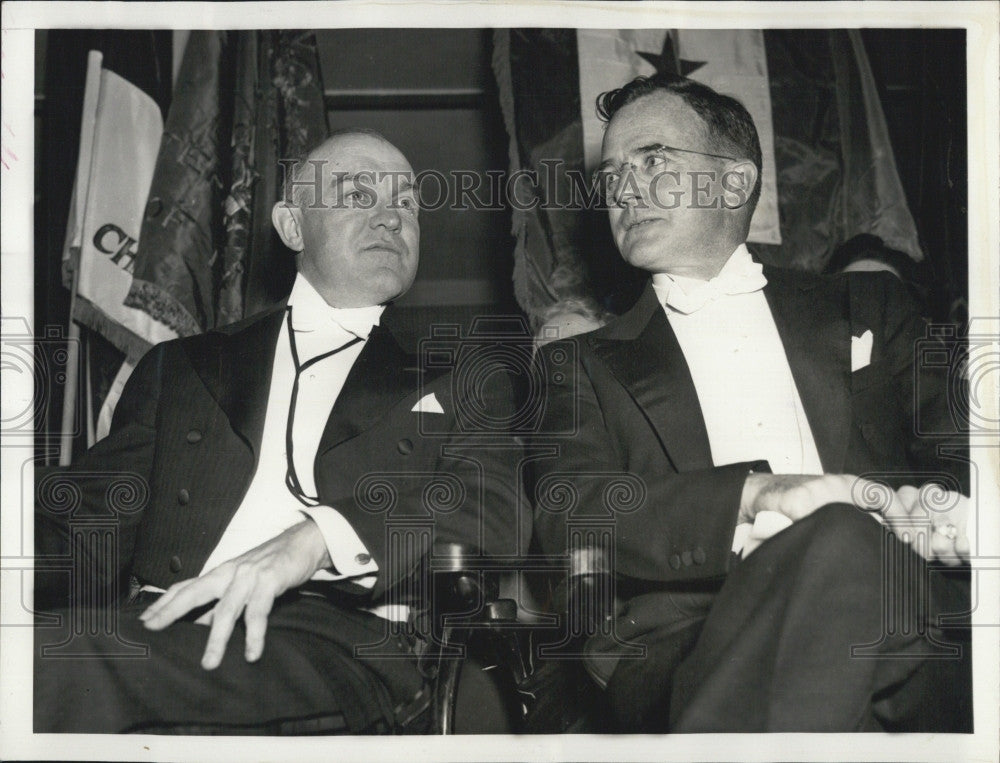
653, 160
408, 203
358, 198
606, 181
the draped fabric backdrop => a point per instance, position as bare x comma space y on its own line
206, 254
242, 100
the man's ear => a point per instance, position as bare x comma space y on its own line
288, 222
738, 183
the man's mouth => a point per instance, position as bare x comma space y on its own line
634, 225
383, 246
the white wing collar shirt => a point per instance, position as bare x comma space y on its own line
749, 401
269, 506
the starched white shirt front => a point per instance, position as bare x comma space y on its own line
748, 398
269, 507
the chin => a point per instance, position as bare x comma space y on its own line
645, 257
389, 287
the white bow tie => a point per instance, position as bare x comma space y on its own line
728, 283
333, 322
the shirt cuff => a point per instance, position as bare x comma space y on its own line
348, 553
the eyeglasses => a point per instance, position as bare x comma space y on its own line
651, 161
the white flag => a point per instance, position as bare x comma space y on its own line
120, 139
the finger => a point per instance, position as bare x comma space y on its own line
963, 548
916, 542
165, 599
197, 592
908, 497
943, 548
875, 498
224, 617
255, 618
801, 497
206, 619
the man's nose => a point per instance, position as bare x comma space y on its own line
627, 192
386, 214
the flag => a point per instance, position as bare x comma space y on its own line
828, 168
174, 280
206, 248
120, 135
241, 101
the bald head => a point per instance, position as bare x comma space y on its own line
351, 214
298, 183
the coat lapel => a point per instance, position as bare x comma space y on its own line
236, 369
811, 317
381, 376
644, 354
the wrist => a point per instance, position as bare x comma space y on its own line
318, 551
748, 498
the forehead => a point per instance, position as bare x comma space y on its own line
359, 153
659, 117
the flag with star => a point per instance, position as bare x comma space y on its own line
828, 168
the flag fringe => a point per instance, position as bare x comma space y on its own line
128, 342
161, 306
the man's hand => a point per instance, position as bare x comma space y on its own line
943, 514
913, 511
246, 585
794, 495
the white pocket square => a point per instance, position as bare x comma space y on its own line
428, 404
861, 351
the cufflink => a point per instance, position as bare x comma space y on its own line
363, 559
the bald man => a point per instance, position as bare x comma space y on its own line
263, 558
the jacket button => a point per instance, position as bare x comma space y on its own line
675, 561
362, 558
194, 436
699, 555
686, 558
183, 497
175, 564
405, 446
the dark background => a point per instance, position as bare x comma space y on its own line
432, 93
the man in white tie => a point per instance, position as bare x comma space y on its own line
771, 417
288, 489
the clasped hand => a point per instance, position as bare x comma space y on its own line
910, 512
247, 586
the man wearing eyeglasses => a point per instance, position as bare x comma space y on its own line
290, 482
749, 400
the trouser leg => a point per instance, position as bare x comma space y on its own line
829, 626
307, 670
